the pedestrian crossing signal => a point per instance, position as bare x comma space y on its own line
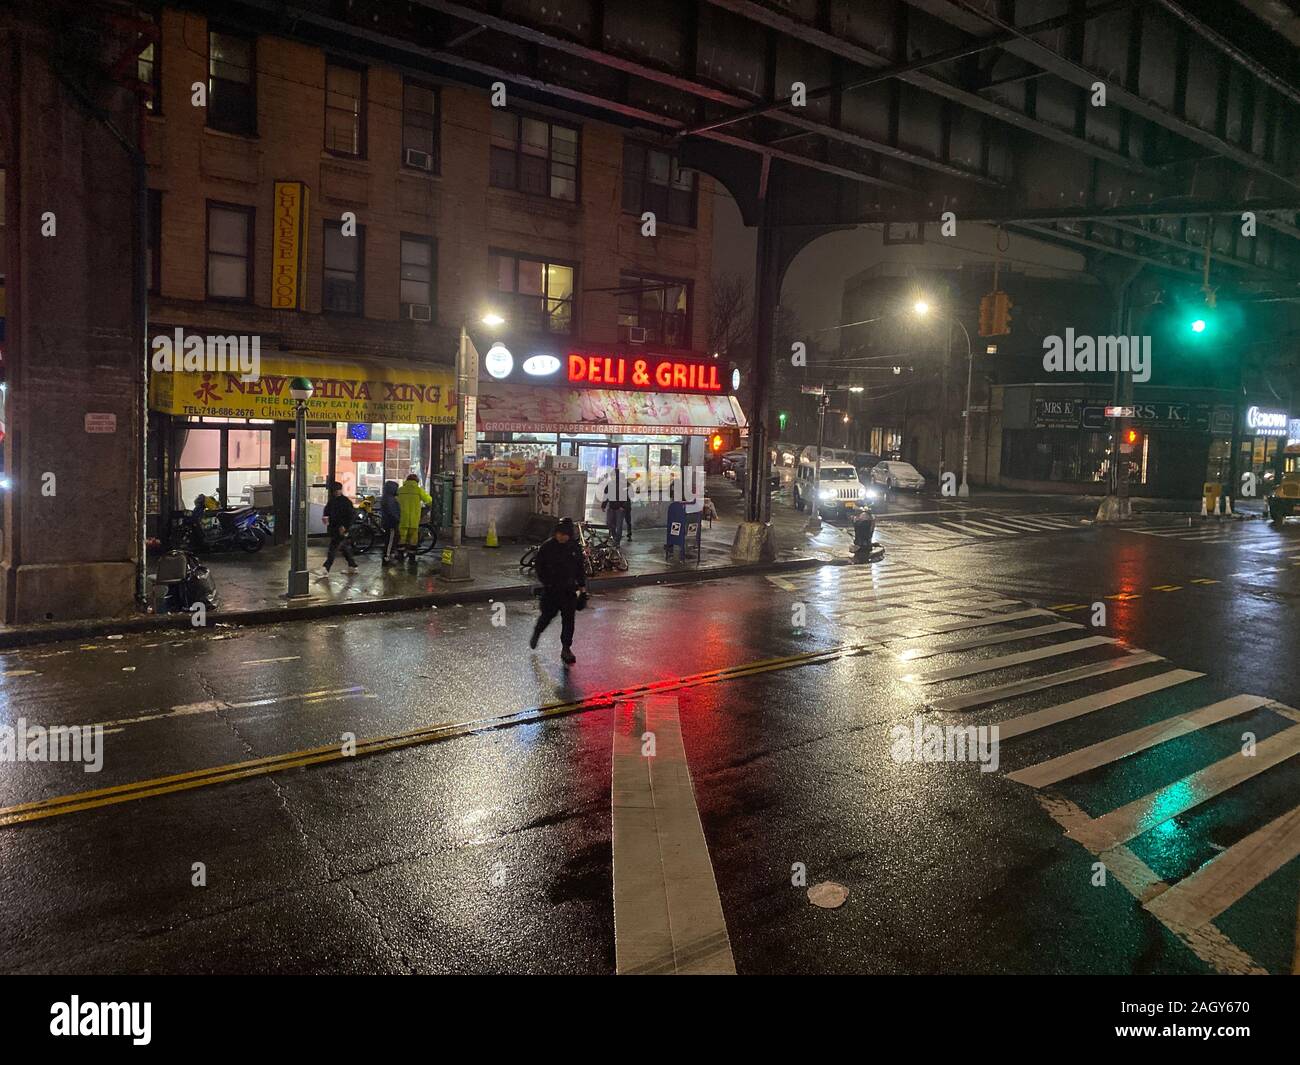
715, 443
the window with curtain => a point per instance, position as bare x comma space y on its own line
534, 156
232, 97
230, 252
345, 109
653, 180
540, 292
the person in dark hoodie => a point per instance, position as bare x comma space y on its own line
339, 515
390, 513
564, 580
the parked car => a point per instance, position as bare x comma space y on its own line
895, 474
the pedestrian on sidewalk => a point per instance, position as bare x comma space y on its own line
564, 586
339, 515
390, 513
411, 501
617, 505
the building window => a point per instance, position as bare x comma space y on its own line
654, 181
420, 126
224, 462
417, 278
232, 99
230, 252
540, 293
654, 310
345, 109
534, 156
344, 259
148, 71
153, 246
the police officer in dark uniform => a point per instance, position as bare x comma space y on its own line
564, 581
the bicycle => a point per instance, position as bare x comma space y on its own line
430, 522
367, 528
599, 553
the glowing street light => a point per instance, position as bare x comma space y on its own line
921, 308
492, 319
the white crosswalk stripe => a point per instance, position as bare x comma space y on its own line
972, 526
918, 619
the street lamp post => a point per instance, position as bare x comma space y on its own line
455, 559
815, 518
922, 308
963, 489
300, 388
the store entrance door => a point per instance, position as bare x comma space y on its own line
596, 460
320, 471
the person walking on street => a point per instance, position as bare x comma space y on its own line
411, 501
564, 586
339, 515
390, 513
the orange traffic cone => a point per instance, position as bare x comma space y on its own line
1218, 506
1205, 513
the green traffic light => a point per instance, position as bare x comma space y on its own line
1198, 326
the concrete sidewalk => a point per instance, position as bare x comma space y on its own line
251, 588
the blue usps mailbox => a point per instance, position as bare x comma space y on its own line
683, 529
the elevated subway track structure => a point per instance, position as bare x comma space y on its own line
985, 108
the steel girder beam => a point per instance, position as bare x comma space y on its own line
980, 23
856, 53
1192, 249
1064, 237
1241, 58
692, 87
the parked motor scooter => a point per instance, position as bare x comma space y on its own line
240, 528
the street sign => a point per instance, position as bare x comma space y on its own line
812, 390
1121, 412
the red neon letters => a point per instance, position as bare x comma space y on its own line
650, 372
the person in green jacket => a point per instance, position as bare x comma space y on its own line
412, 499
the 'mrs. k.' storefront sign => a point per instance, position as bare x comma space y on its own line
634, 371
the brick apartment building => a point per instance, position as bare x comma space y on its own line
459, 207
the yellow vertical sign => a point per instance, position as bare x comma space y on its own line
288, 244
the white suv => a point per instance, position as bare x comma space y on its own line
841, 492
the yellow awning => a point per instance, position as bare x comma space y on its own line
352, 390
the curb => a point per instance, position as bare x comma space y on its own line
53, 632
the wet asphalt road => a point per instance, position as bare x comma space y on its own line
491, 851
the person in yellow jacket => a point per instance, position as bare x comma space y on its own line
412, 499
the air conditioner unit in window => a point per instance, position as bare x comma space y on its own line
418, 159
418, 312
636, 334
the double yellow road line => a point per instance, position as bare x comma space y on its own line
81, 801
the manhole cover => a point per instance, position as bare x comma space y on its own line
828, 895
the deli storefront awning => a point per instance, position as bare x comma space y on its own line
521, 408
345, 390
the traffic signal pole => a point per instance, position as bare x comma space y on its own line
1117, 506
